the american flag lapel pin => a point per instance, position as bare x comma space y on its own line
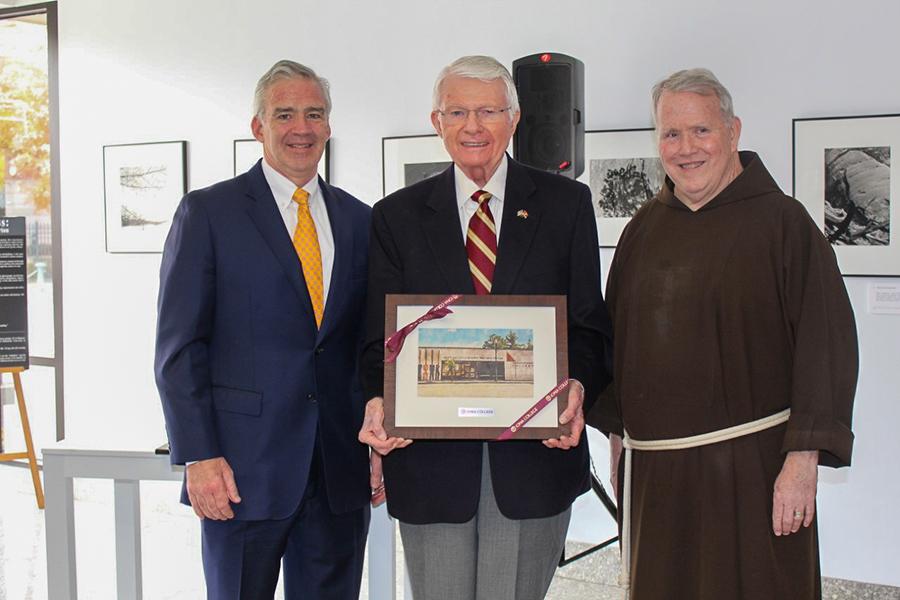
522, 214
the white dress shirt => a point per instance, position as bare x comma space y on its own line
465, 187
283, 189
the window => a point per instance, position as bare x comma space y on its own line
29, 187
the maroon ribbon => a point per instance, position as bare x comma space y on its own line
394, 344
538, 406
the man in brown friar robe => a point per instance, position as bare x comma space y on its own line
728, 307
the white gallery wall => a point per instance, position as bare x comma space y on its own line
143, 71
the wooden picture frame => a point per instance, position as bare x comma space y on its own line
474, 372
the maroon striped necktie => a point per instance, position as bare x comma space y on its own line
481, 244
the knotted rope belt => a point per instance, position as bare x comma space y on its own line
704, 439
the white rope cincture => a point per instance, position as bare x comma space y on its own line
703, 439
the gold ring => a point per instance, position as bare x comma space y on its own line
798, 514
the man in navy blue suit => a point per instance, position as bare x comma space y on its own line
261, 306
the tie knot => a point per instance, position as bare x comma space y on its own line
301, 197
480, 197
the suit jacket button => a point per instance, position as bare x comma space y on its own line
311, 397
320, 350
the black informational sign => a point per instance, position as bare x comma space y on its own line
13, 298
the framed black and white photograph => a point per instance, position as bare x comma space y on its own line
473, 373
142, 185
843, 176
623, 170
248, 151
408, 159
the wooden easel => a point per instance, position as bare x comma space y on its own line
26, 429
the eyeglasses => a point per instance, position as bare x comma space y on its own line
486, 114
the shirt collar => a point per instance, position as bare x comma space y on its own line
283, 188
496, 185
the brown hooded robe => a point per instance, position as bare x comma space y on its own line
723, 316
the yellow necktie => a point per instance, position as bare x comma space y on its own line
306, 243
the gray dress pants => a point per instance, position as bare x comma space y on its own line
489, 557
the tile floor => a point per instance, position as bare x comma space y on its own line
171, 553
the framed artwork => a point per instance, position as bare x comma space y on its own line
408, 159
475, 372
248, 151
623, 170
843, 176
142, 185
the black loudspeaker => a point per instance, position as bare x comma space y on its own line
550, 135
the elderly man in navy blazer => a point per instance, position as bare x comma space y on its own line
485, 521
261, 305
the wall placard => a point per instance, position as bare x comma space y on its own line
884, 298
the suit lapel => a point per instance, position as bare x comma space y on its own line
342, 233
440, 222
264, 213
521, 215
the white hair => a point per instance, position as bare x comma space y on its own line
697, 81
484, 68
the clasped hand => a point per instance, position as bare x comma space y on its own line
374, 435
